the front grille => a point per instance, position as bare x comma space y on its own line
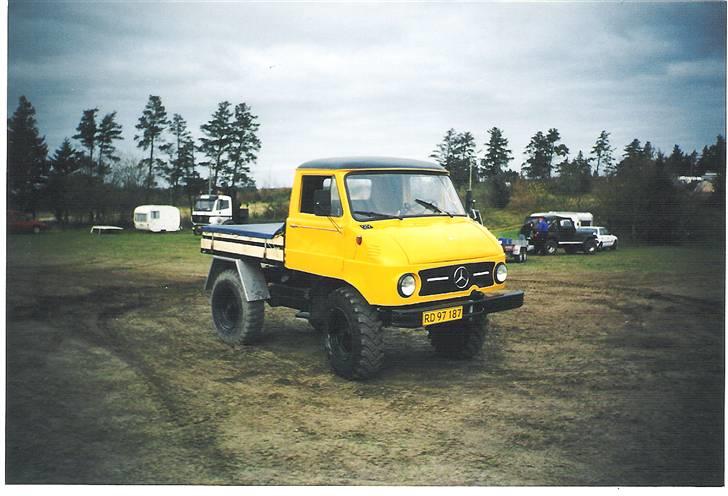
442, 279
201, 219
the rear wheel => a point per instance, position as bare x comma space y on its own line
461, 339
237, 321
590, 247
353, 335
550, 247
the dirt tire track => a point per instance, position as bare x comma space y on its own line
94, 326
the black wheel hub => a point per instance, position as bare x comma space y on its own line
228, 310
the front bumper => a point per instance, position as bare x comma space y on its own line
475, 304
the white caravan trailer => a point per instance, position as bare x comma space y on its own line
581, 219
157, 218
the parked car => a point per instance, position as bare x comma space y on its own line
604, 239
581, 219
21, 222
560, 233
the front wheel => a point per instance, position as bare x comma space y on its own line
614, 246
460, 339
353, 335
237, 321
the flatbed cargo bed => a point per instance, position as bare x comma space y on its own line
262, 241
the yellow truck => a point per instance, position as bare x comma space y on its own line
369, 243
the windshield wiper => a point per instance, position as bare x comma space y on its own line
377, 214
432, 206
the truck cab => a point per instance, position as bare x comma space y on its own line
211, 209
371, 243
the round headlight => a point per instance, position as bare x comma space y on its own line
501, 272
406, 285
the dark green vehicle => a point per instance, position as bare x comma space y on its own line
561, 233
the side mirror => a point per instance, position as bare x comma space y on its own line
322, 202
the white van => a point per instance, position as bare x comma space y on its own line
157, 218
581, 219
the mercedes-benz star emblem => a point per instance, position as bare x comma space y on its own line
461, 277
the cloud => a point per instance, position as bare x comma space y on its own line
333, 79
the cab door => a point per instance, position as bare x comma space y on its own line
314, 243
567, 231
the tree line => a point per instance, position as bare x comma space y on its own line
638, 193
92, 179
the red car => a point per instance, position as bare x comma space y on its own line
19, 222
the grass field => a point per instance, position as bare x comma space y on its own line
611, 374
172, 250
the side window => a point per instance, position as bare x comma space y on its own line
309, 184
566, 223
155, 214
223, 204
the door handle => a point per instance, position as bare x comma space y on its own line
292, 225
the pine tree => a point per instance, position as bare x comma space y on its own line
64, 163
443, 152
65, 159
537, 165
541, 150
190, 179
575, 175
464, 152
648, 151
713, 157
602, 150
27, 164
108, 132
152, 124
174, 170
497, 155
243, 147
87, 135
631, 158
217, 141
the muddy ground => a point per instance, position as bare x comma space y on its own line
115, 376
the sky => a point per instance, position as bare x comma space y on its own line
345, 79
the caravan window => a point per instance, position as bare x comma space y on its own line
140, 217
155, 214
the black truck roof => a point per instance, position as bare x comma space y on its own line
370, 163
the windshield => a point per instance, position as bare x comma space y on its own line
382, 195
204, 205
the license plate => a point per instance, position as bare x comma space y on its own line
444, 315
